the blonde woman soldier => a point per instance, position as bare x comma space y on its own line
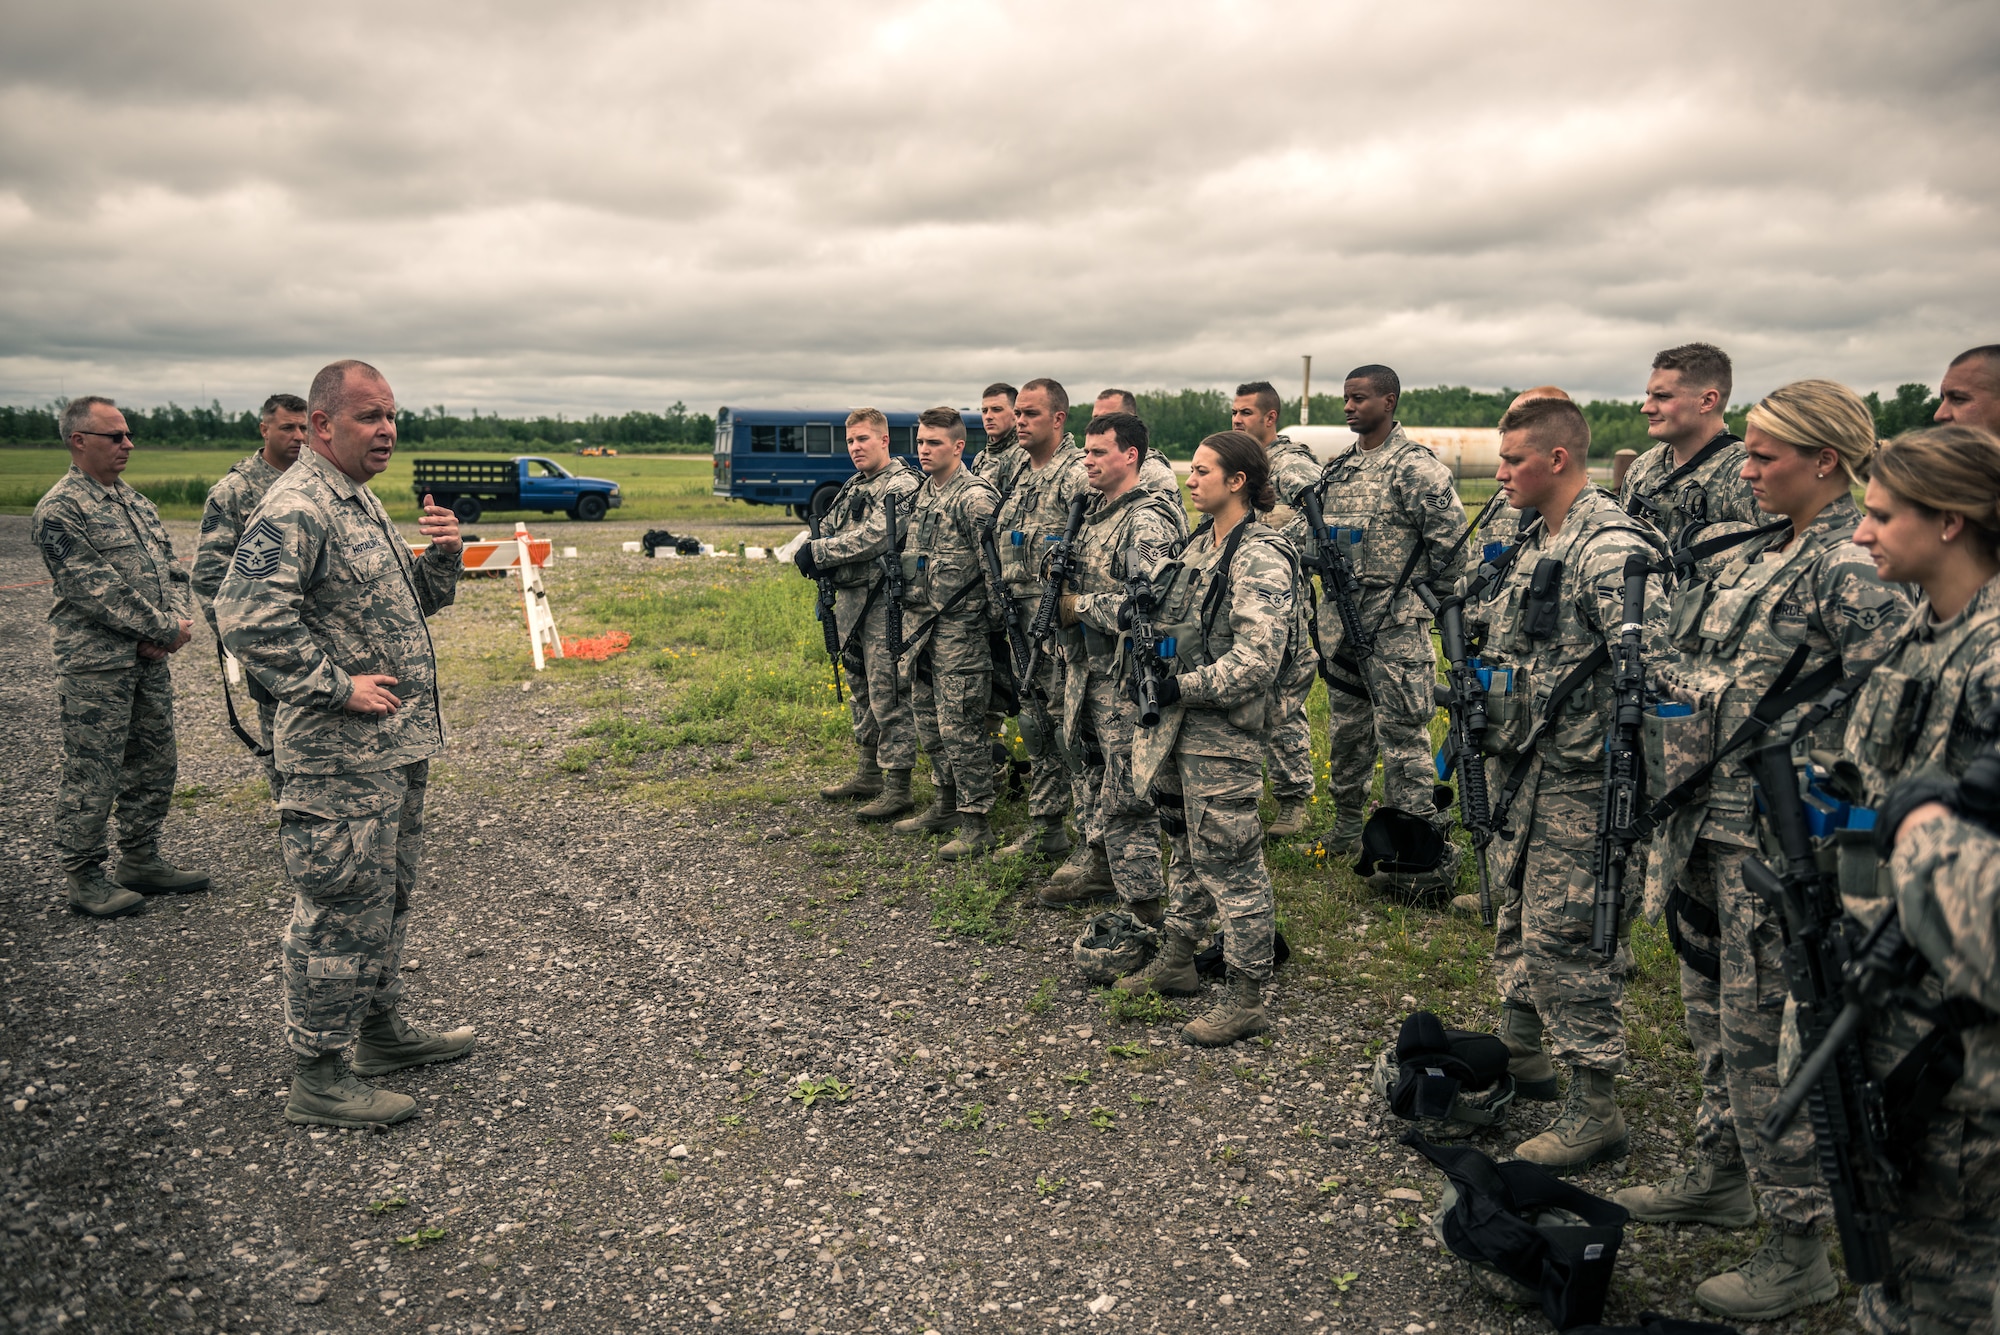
1788, 614
1233, 601
1932, 521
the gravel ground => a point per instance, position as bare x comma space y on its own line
727, 1074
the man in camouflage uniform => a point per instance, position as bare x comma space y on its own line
1002, 453
121, 608
854, 536
1550, 979
1399, 497
1125, 520
1969, 394
1156, 473
948, 661
282, 424
1033, 515
1288, 753
325, 607
1694, 477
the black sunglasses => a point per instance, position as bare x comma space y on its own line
109, 435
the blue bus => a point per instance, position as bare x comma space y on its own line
787, 456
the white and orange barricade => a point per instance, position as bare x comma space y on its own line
527, 555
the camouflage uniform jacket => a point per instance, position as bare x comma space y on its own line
997, 462
1736, 632
1033, 514
1156, 473
1946, 876
1095, 647
943, 554
1398, 495
1712, 492
322, 587
855, 529
1293, 469
230, 502
117, 584
1235, 653
1593, 544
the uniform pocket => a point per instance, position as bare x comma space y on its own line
1684, 613
1894, 708
1506, 711
1676, 742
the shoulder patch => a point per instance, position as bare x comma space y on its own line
1440, 500
211, 519
58, 544
1277, 599
1864, 618
257, 555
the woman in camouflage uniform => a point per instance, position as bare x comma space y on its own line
1232, 599
1780, 608
1933, 521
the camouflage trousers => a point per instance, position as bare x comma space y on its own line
1049, 793
880, 713
1385, 707
1733, 1026
118, 756
948, 698
1541, 948
1125, 822
1944, 1240
1288, 749
1210, 789
351, 845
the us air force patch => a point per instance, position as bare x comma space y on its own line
1276, 599
257, 555
1441, 500
211, 519
1864, 618
57, 543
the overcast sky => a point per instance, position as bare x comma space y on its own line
604, 206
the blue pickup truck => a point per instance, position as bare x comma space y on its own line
788, 456
473, 486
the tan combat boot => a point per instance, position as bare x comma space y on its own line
1170, 972
894, 800
390, 1043
1590, 1128
147, 872
866, 781
1343, 841
1708, 1193
326, 1093
1534, 1074
1044, 838
1290, 821
1081, 855
1239, 1014
1089, 886
974, 838
1788, 1272
90, 893
940, 817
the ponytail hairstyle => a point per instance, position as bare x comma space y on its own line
1815, 415
1241, 453
1948, 470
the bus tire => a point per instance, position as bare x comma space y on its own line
821, 498
466, 509
591, 508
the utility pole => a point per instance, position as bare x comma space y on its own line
1306, 395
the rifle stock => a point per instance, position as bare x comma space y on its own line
1624, 768
892, 575
829, 626
1143, 644
1465, 698
1337, 579
1034, 708
1062, 568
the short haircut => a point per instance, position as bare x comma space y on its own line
1384, 380
1127, 401
948, 420
1267, 395
869, 417
1058, 396
1815, 415
1700, 364
291, 403
329, 387
1950, 469
1988, 352
1549, 424
76, 413
998, 388
1125, 428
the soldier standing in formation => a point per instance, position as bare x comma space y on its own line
282, 426
122, 607
1126, 523
948, 660
1288, 756
1970, 392
1233, 600
325, 607
854, 537
997, 459
1547, 719
1400, 500
1778, 609
1156, 474
1694, 477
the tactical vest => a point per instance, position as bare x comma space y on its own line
939, 562
1104, 558
1031, 519
1910, 712
1192, 592
852, 505
1352, 502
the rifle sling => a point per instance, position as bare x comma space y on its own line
1916, 1089
1685, 558
1518, 775
1683, 908
229, 703
1701, 456
1417, 550
957, 597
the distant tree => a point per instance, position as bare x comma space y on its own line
1913, 408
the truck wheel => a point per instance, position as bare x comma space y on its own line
467, 509
821, 499
590, 508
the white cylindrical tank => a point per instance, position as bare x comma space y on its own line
1469, 451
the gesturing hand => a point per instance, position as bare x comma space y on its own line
372, 694
440, 525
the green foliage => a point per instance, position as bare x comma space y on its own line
971, 1117
1912, 409
809, 1092
1176, 420
423, 1238
1049, 1186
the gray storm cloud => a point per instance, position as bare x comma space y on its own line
611, 206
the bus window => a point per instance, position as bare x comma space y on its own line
902, 440
975, 440
789, 439
764, 439
819, 438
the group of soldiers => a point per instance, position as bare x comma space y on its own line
1732, 601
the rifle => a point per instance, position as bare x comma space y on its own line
892, 575
1466, 699
1624, 768
1035, 715
1417, 550
1143, 644
1062, 569
1337, 580
823, 609
1822, 947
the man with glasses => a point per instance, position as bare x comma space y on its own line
282, 424
122, 605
